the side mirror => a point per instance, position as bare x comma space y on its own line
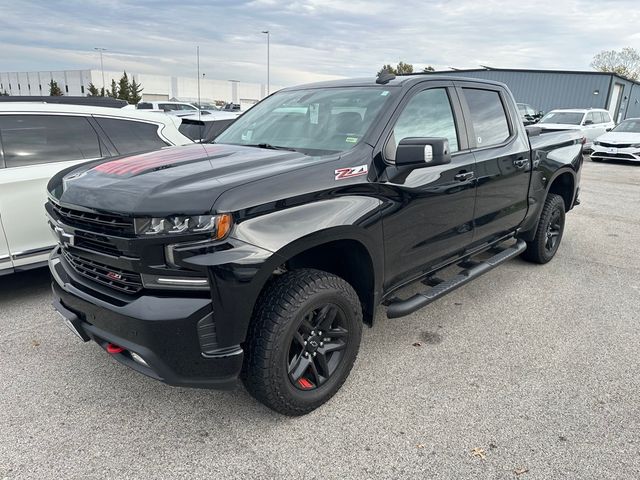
588, 122
420, 152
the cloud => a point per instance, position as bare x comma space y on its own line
310, 39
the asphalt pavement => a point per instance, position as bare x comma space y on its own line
530, 372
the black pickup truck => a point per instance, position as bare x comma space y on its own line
260, 256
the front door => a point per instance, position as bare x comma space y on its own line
503, 164
429, 215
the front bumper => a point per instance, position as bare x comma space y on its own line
168, 333
613, 153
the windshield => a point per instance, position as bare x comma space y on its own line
565, 118
312, 121
629, 126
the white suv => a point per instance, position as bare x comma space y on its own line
37, 140
592, 122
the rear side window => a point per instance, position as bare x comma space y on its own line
606, 117
144, 106
130, 136
488, 117
36, 139
168, 107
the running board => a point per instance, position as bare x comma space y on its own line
400, 308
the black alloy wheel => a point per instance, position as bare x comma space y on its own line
317, 348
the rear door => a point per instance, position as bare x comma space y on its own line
36, 147
430, 213
502, 155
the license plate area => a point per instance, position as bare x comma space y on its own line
612, 150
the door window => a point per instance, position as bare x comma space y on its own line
428, 114
606, 117
35, 139
130, 136
488, 116
590, 119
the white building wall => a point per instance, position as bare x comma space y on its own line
76, 83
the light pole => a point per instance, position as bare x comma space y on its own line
101, 66
268, 41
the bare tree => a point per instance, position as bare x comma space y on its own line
625, 62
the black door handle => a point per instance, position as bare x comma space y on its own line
520, 162
462, 176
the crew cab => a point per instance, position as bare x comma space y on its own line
260, 256
37, 140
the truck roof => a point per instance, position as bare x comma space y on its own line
398, 81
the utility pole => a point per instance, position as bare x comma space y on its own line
101, 67
198, 62
268, 47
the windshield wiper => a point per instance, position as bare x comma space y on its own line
268, 146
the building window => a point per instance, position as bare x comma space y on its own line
81, 88
18, 86
40, 87
29, 86
66, 88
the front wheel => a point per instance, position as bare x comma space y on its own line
303, 341
549, 232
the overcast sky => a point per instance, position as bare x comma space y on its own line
310, 39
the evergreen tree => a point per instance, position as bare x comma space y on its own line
93, 90
135, 89
124, 89
54, 89
113, 93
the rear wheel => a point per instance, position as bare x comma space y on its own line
303, 341
545, 244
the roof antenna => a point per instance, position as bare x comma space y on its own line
384, 77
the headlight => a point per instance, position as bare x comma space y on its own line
216, 225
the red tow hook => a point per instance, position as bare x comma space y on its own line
113, 349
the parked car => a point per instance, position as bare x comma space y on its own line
528, 115
37, 140
261, 255
621, 143
207, 127
168, 107
591, 122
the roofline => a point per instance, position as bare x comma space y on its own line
526, 70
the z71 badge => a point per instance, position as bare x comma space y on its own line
342, 173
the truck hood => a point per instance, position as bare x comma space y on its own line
174, 180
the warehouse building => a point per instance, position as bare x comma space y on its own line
549, 89
155, 87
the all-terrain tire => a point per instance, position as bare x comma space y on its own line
288, 303
545, 244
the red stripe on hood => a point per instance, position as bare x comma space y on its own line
151, 160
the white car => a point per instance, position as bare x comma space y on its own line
174, 108
592, 122
621, 143
37, 140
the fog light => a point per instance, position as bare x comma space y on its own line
138, 359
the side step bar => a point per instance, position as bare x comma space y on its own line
400, 308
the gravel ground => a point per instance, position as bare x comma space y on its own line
536, 367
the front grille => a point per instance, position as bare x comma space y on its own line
96, 222
96, 243
621, 156
121, 280
615, 145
